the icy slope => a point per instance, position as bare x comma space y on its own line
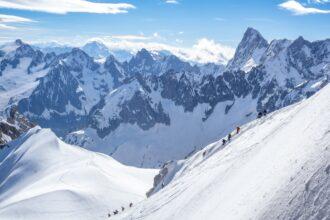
278, 167
44, 178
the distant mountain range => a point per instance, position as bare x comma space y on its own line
95, 49
157, 107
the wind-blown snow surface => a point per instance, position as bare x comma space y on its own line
41, 177
278, 167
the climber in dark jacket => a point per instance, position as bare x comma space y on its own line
259, 114
229, 137
223, 141
131, 205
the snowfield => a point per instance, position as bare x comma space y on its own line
41, 177
278, 167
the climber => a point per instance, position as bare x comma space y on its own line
259, 114
122, 209
115, 212
264, 112
238, 130
131, 205
229, 136
223, 141
109, 215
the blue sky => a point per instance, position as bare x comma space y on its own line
180, 23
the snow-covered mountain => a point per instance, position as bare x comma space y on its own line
161, 108
20, 68
100, 51
249, 51
53, 47
41, 177
96, 49
277, 167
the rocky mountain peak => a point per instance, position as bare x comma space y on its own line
18, 42
25, 50
249, 51
141, 62
252, 34
299, 43
110, 59
78, 57
144, 54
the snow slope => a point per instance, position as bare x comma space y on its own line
41, 177
278, 167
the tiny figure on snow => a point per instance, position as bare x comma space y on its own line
264, 112
229, 137
223, 141
115, 212
109, 215
259, 114
131, 205
204, 153
122, 209
238, 130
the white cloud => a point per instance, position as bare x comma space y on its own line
204, 51
298, 9
6, 27
11, 19
318, 1
132, 37
210, 51
66, 6
171, 2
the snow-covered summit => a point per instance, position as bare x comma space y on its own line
96, 49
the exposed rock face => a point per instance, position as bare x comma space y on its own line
160, 178
138, 110
13, 126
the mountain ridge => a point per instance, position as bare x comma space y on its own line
92, 104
